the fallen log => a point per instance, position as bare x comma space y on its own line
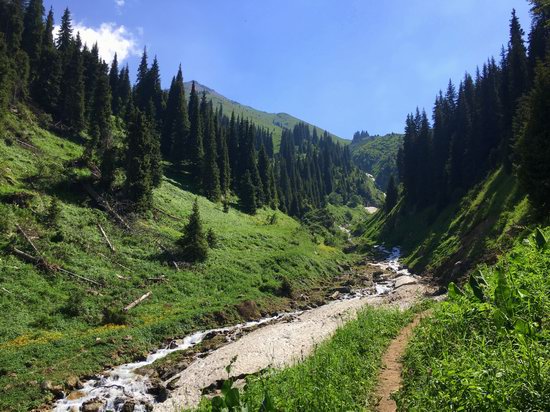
39, 261
32, 148
167, 214
27, 238
106, 238
137, 302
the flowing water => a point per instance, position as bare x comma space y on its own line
121, 384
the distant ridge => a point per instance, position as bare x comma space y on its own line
275, 122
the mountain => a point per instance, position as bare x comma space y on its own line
274, 122
377, 155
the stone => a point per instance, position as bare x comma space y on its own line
75, 395
129, 406
73, 383
158, 390
173, 384
404, 280
93, 405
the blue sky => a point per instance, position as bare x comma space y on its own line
343, 65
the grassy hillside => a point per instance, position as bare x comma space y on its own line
450, 241
275, 122
487, 348
377, 155
55, 325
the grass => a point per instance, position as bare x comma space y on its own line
480, 225
54, 326
488, 354
340, 375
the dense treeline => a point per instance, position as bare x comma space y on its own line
500, 117
222, 155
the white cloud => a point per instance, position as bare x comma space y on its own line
120, 3
110, 39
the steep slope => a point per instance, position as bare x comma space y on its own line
451, 241
274, 122
377, 155
62, 316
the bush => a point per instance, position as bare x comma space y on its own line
212, 239
74, 305
114, 316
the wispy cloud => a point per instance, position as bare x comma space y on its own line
110, 39
120, 3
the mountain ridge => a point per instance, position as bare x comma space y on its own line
274, 122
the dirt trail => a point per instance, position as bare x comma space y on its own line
389, 380
276, 345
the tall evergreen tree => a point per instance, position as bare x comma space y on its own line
65, 36
139, 179
114, 85
32, 35
391, 195
72, 90
248, 194
534, 141
193, 243
264, 169
516, 83
196, 148
47, 87
175, 133
211, 172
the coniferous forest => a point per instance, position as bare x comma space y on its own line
496, 118
222, 155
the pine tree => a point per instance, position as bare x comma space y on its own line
139, 179
114, 85
516, 82
534, 142
248, 194
72, 90
391, 195
4, 78
92, 66
47, 87
65, 36
196, 148
124, 94
264, 169
175, 133
211, 172
193, 243
101, 130
32, 35
224, 165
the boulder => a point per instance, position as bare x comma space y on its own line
73, 383
404, 280
93, 405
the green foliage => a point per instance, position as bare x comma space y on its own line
486, 349
212, 239
194, 244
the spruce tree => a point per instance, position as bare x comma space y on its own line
114, 85
224, 164
516, 83
193, 243
32, 35
65, 36
211, 172
124, 94
72, 90
196, 148
4, 78
47, 87
534, 142
248, 194
391, 195
175, 133
139, 179
264, 169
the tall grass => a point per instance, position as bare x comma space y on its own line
487, 349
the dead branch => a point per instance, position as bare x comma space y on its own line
39, 261
158, 279
28, 146
7, 291
106, 238
167, 214
176, 265
121, 277
105, 205
27, 238
137, 301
